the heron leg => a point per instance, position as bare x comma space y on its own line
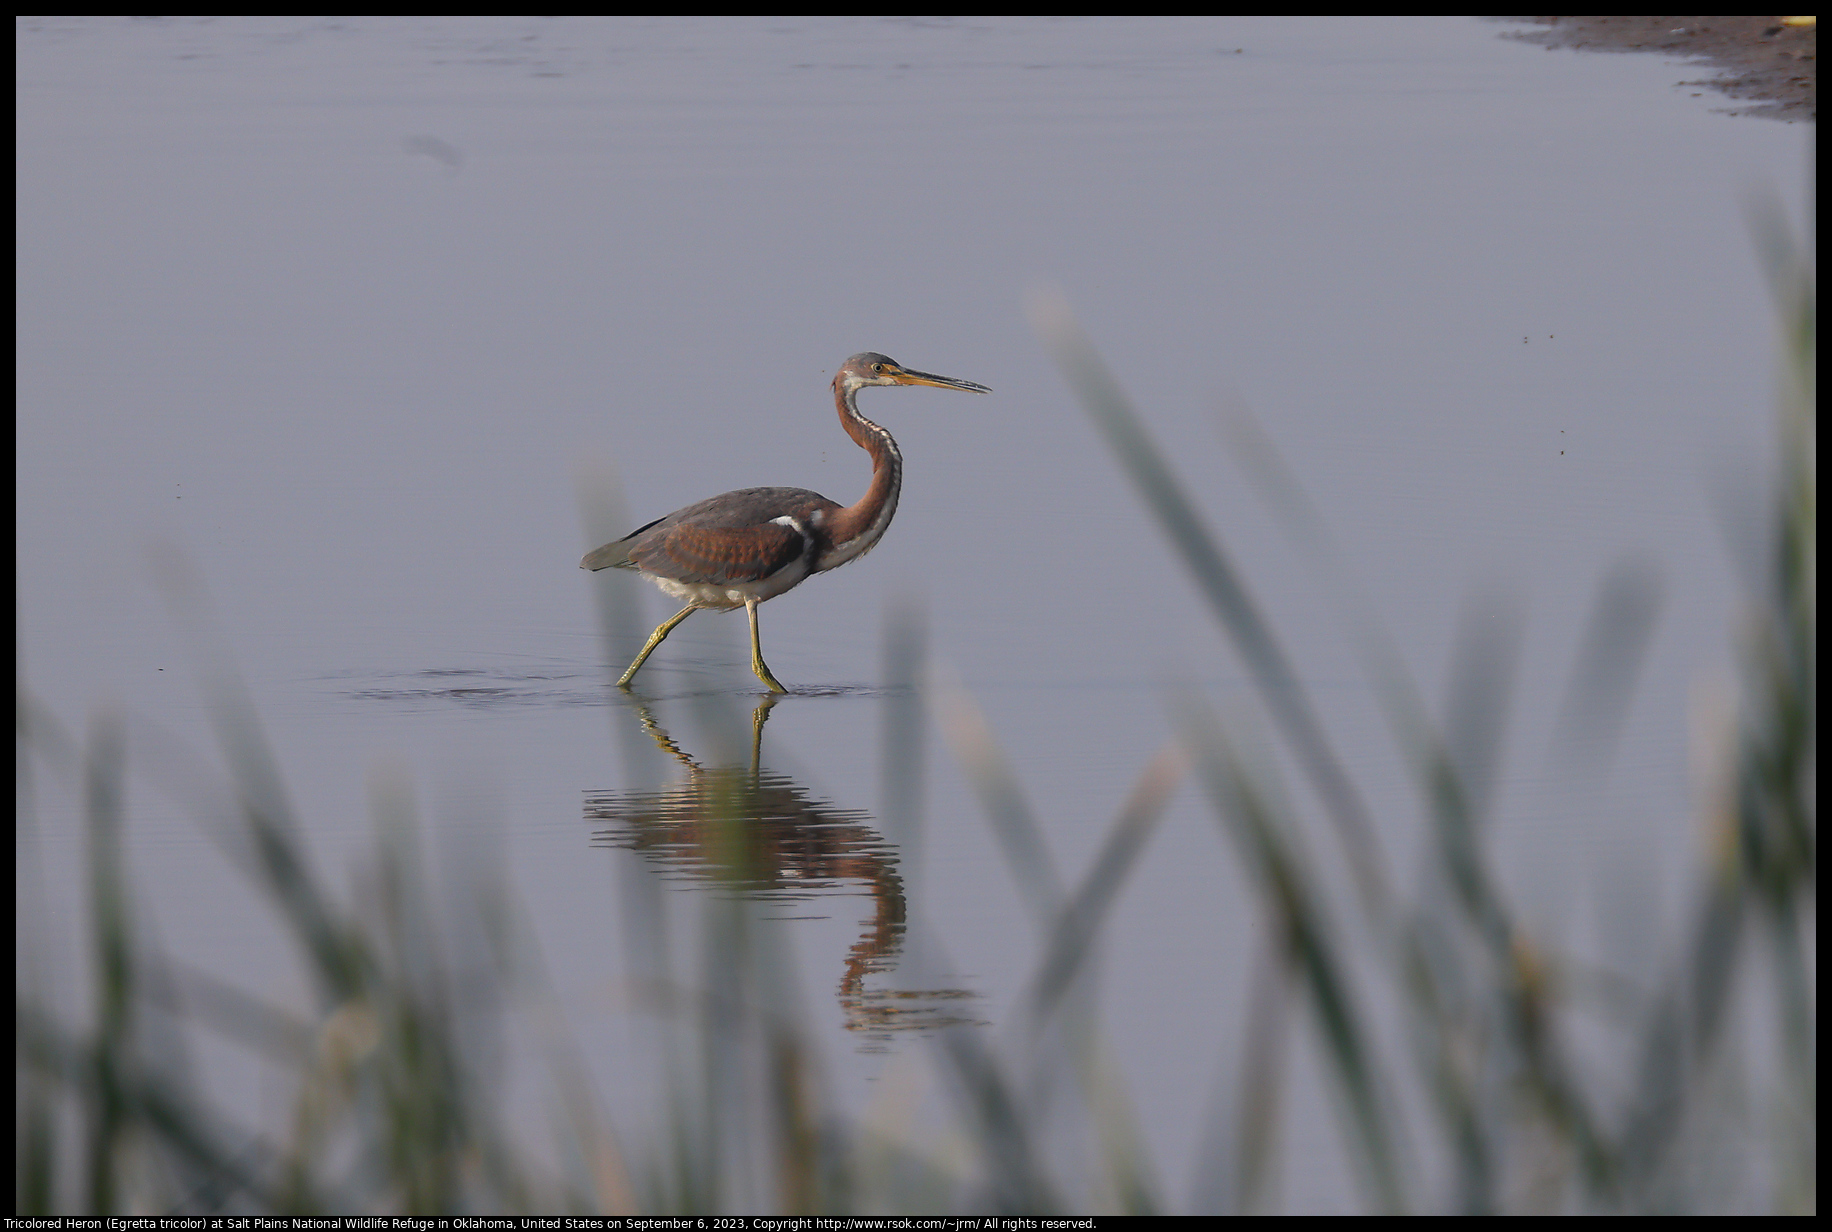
757, 664
655, 639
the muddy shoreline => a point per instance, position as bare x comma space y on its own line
1757, 59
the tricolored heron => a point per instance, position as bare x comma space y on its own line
739, 549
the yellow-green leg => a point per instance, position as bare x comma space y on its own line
757, 664
655, 639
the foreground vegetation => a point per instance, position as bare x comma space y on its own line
1469, 1069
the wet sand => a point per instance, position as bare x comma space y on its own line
1757, 58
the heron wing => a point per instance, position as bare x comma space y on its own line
719, 555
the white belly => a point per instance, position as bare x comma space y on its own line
735, 594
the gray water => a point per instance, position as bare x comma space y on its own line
352, 311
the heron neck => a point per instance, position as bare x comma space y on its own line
857, 527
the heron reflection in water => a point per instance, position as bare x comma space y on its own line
746, 547
758, 833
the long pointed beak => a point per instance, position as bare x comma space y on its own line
904, 376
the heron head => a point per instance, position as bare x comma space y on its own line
872, 368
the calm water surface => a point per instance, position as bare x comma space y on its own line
353, 310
